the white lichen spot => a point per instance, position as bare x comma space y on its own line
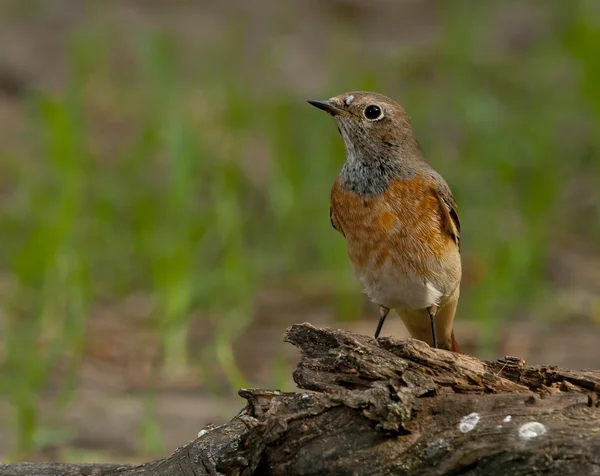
531, 430
349, 100
507, 419
469, 422
305, 396
207, 428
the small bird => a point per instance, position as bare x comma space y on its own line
398, 216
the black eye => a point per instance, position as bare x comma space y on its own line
373, 112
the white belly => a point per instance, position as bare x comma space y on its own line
395, 288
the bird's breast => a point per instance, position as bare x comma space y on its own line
396, 243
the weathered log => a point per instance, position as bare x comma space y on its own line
391, 406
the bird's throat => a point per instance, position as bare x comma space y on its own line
371, 176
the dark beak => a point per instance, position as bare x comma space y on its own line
327, 106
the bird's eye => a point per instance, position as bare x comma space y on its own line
373, 112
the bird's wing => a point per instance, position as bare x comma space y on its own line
450, 220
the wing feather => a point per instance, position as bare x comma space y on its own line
449, 210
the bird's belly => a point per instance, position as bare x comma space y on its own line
398, 287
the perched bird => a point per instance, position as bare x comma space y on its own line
398, 216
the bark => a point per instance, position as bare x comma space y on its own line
390, 406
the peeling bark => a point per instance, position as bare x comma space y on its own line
390, 406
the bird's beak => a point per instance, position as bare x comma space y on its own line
327, 106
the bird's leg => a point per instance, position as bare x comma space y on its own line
432, 310
383, 312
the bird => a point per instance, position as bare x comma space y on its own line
398, 216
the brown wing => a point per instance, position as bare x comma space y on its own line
448, 207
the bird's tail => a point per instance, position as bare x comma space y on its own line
453, 344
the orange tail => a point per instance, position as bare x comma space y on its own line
454, 344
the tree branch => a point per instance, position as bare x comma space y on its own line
392, 406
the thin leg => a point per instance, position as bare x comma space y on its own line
432, 310
383, 312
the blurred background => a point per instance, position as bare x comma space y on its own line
164, 197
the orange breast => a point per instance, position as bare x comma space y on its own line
403, 225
